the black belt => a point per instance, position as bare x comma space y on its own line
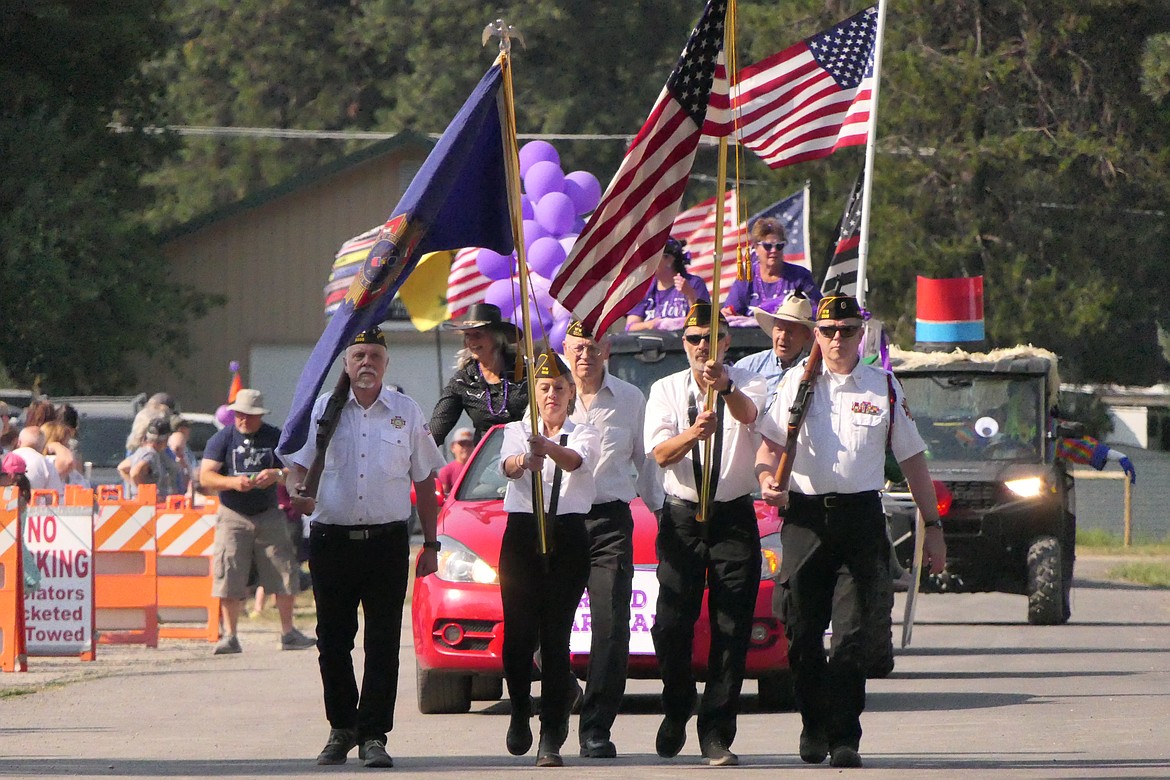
356, 533
832, 500
693, 505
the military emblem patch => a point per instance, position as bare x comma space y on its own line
866, 407
398, 422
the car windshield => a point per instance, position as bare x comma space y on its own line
482, 480
102, 440
642, 371
977, 417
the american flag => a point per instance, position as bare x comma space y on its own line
616, 255
465, 284
843, 260
696, 226
812, 98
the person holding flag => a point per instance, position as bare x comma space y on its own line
539, 596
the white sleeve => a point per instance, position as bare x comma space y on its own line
661, 423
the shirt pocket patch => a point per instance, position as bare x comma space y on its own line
393, 456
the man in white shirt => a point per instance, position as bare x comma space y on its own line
359, 545
722, 550
41, 474
617, 409
834, 533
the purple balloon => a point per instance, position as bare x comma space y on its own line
567, 242
545, 255
555, 213
542, 178
556, 334
578, 226
503, 293
225, 415
537, 151
532, 231
540, 293
493, 265
585, 190
537, 324
526, 210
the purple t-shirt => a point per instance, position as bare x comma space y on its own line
669, 302
757, 292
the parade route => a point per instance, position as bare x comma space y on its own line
980, 693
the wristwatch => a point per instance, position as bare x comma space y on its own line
730, 388
932, 524
435, 545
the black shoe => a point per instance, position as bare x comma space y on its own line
845, 757
578, 698
672, 735
813, 750
341, 741
519, 739
717, 754
548, 753
595, 747
373, 754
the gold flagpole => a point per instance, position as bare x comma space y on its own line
705, 497
512, 169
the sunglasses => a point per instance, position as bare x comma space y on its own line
846, 331
768, 246
697, 338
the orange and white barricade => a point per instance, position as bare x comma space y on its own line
126, 566
184, 537
12, 654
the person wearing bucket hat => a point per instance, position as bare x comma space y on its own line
772, 277
836, 550
241, 463
485, 385
541, 597
723, 549
671, 294
359, 543
789, 323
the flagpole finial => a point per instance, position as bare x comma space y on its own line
506, 32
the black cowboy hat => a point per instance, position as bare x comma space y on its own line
486, 315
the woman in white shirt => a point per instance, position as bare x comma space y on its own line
540, 596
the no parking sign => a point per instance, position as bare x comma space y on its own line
59, 614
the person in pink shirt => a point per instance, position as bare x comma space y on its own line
462, 444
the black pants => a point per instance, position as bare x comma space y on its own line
611, 576
834, 560
538, 609
373, 573
724, 555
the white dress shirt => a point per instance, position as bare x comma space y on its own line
841, 447
623, 471
667, 416
578, 488
373, 457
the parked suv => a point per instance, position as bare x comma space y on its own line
643, 357
990, 428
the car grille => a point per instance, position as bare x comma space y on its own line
974, 495
477, 634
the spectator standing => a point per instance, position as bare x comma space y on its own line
240, 462
41, 474
149, 464
158, 405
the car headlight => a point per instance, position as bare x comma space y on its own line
770, 557
1029, 487
457, 563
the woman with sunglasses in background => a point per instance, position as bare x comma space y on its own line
672, 293
772, 278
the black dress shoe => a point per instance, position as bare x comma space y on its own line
341, 741
373, 754
595, 747
672, 735
716, 753
844, 757
519, 739
548, 753
813, 749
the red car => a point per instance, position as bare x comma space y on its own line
458, 617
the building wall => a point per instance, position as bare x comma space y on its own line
271, 262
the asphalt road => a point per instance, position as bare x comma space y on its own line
979, 694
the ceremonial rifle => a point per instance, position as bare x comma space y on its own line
796, 414
326, 427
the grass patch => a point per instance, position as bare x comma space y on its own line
1154, 574
8, 693
1100, 542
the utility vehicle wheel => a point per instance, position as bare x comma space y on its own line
1046, 592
